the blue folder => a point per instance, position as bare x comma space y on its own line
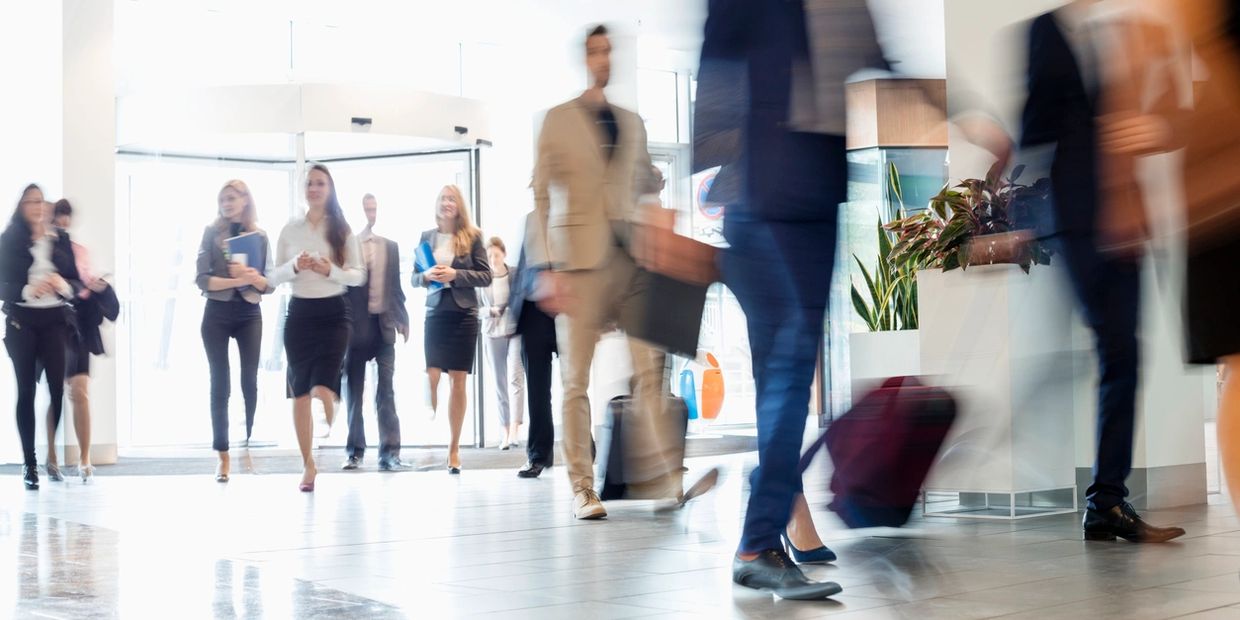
423, 260
250, 244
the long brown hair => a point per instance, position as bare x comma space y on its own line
249, 213
463, 231
338, 229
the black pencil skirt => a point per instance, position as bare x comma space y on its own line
451, 336
316, 336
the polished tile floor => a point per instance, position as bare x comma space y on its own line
430, 545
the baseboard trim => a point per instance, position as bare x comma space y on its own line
1156, 488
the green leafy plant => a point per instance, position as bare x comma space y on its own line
890, 299
943, 235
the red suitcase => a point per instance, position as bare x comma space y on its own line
883, 449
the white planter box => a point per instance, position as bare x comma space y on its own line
1000, 339
875, 356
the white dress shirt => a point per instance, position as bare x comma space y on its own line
445, 251
40, 269
298, 236
374, 250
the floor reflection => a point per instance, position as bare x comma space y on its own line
56, 568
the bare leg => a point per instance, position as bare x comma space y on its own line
51, 460
305, 429
1229, 427
224, 465
801, 530
328, 398
433, 375
456, 415
79, 395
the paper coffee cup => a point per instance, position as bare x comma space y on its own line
241, 259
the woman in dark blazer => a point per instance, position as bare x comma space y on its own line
452, 324
233, 290
38, 278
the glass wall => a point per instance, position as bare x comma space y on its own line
165, 203
163, 207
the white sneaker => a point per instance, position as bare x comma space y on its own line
586, 505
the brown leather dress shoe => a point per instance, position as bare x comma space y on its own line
1122, 521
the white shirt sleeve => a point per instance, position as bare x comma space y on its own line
285, 260
353, 273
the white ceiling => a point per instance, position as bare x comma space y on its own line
912, 30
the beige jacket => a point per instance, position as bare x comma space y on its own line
578, 192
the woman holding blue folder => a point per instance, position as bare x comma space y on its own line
452, 263
319, 255
232, 259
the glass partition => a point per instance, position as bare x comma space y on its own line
164, 205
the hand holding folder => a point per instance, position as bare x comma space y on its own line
423, 260
247, 249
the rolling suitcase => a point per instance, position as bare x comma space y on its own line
609, 455
883, 449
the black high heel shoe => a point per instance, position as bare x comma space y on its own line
30, 476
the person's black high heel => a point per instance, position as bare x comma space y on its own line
30, 476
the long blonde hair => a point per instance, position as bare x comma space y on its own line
249, 213
463, 231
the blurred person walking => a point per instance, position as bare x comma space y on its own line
536, 329
95, 302
592, 160
451, 339
503, 347
319, 255
233, 288
38, 280
1211, 158
1090, 65
378, 311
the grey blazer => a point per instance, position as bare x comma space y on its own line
211, 262
473, 271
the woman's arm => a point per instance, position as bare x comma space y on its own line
207, 281
286, 259
479, 274
353, 272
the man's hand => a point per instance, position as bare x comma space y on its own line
555, 294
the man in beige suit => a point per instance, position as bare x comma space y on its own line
592, 159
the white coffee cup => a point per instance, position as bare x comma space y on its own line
241, 259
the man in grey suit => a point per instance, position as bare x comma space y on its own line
592, 157
378, 309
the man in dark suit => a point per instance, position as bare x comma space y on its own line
537, 331
378, 310
1069, 93
770, 111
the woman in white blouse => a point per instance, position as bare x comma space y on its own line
319, 255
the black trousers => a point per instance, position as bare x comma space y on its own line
384, 355
36, 337
537, 330
222, 321
1109, 293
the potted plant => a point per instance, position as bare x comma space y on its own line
975, 222
887, 304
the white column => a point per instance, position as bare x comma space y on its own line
89, 171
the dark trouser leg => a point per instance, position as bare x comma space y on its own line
538, 345
215, 335
1115, 325
21, 343
51, 354
780, 274
355, 386
249, 335
385, 403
